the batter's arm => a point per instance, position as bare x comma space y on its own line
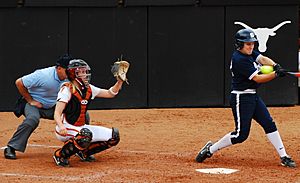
266, 61
263, 78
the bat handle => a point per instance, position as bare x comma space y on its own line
295, 74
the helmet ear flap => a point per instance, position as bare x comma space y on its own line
238, 45
70, 73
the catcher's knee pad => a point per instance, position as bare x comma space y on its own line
83, 138
115, 137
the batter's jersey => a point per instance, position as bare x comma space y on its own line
43, 85
243, 68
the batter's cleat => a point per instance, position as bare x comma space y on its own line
204, 152
85, 158
288, 162
60, 161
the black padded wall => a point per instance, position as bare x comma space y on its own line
30, 39
243, 3
179, 52
159, 2
186, 51
101, 36
8, 3
71, 3
282, 47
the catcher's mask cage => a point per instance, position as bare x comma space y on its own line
80, 71
243, 36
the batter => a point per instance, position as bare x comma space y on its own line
244, 101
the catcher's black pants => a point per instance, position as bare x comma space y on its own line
246, 107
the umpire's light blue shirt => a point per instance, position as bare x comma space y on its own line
43, 85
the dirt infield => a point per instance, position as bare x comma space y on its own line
158, 145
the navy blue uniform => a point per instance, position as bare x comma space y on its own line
244, 101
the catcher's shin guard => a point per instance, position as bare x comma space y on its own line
99, 146
67, 150
80, 142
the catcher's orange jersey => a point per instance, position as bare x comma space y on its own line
75, 111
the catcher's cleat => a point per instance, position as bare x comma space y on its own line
204, 152
85, 158
60, 161
288, 162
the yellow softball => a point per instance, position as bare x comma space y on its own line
266, 69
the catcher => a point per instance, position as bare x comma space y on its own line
73, 100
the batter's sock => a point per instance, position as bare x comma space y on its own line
275, 139
222, 143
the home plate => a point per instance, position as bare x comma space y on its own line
217, 170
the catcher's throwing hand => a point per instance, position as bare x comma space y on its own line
120, 69
63, 130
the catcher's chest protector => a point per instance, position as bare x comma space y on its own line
75, 111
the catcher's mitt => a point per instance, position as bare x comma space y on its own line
120, 69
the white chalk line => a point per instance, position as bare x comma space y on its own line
36, 145
80, 178
124, 151
65, 178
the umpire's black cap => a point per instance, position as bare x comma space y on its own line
64, 60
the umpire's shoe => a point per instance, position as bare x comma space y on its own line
288, 162
83, 157
204, 152
9, 153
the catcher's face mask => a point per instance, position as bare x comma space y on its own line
83, 75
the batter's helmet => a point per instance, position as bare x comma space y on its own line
80, 71
242, 36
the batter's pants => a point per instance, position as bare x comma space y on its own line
246, 107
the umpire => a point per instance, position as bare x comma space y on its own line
40, 90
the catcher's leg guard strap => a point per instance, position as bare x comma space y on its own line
67, 150
97, 147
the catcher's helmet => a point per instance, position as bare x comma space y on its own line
242, 36
80, 71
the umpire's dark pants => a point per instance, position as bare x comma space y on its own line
31, 122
